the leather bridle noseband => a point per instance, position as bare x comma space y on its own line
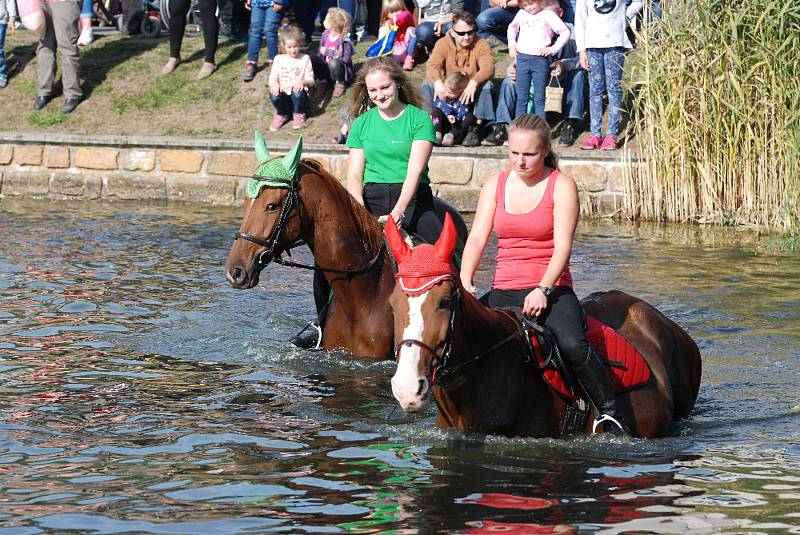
441, 371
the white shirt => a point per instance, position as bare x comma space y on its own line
602, 23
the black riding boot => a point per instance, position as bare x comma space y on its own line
597, 385
311, 335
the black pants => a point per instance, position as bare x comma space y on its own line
379, 199
177, 25
332, 71
563, 317
459, 129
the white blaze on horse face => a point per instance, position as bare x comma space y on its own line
409, 383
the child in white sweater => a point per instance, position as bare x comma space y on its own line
601, 40
289, 80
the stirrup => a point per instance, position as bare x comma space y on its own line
318, 345
607, 418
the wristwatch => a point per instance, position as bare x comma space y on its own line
546, 290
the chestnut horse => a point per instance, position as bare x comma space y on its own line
475, 361
345, 239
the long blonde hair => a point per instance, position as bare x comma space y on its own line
407, 91
391, 6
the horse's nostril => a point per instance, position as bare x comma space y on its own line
237, 274
422, 385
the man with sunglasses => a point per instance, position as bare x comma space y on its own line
461, 50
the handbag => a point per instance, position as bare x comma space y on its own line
384, 45
553, 96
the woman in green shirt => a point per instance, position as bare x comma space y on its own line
390, 143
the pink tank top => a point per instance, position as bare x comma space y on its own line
525, 241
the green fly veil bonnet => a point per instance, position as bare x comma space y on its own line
273, 172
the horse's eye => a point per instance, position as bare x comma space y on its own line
272, 208
445, 303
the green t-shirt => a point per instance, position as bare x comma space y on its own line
387, 144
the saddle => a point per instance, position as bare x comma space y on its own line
625, 365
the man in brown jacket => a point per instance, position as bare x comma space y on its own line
461, 50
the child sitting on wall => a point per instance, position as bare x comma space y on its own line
451, 117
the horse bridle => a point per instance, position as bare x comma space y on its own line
441, 370
292, 200
269, 254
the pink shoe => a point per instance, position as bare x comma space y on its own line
338, 90
408, 64
298, 120
277, 122
590, 142
609, 143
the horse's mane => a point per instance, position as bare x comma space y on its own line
367, 227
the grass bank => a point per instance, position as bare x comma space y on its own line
717, 115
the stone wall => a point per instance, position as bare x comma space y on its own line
108, 168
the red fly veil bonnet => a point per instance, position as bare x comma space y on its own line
424, 266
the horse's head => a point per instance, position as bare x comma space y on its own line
271, 221
424, 303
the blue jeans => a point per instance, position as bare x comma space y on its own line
605, 76
264, 23
531, 71
494, 22
288, 104
484, 105
86, 9
425, 35
2, 48
568, 10
574, 84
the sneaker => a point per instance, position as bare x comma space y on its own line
439, 138
86, 37
473, 137
498, 135
3, 80
277, 122
408, 63
338, 90
448, 140
609, 143
567, 133
249, 72
590, 142
298, 120
309, 338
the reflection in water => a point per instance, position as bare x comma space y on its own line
139, 393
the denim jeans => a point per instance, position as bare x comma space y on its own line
605, 75
531, 71
574, 84
425, 35
286, 105
87, 12
2, 48
494, 22
264, 23
484, 105
568, 10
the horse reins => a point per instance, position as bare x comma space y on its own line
292, 200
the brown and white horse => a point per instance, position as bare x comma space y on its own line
475, 362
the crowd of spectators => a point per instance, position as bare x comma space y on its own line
578, 44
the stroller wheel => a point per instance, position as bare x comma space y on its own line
151, 26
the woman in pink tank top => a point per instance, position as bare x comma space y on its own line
533, 209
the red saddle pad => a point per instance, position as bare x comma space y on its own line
625, 365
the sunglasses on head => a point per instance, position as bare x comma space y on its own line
462, 34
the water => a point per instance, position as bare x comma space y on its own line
140, 394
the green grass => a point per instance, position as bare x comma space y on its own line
46, 119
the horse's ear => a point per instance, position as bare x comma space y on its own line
292, 158
446, 244
262, 154
398, 246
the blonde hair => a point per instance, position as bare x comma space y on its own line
290, 33
339, 20
536, 125
391, 6
456, 82
407, 91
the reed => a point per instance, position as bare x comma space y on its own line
716, 115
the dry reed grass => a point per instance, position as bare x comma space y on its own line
716, 115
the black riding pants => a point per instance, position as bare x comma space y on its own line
177, 25
379, 199
563, 317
